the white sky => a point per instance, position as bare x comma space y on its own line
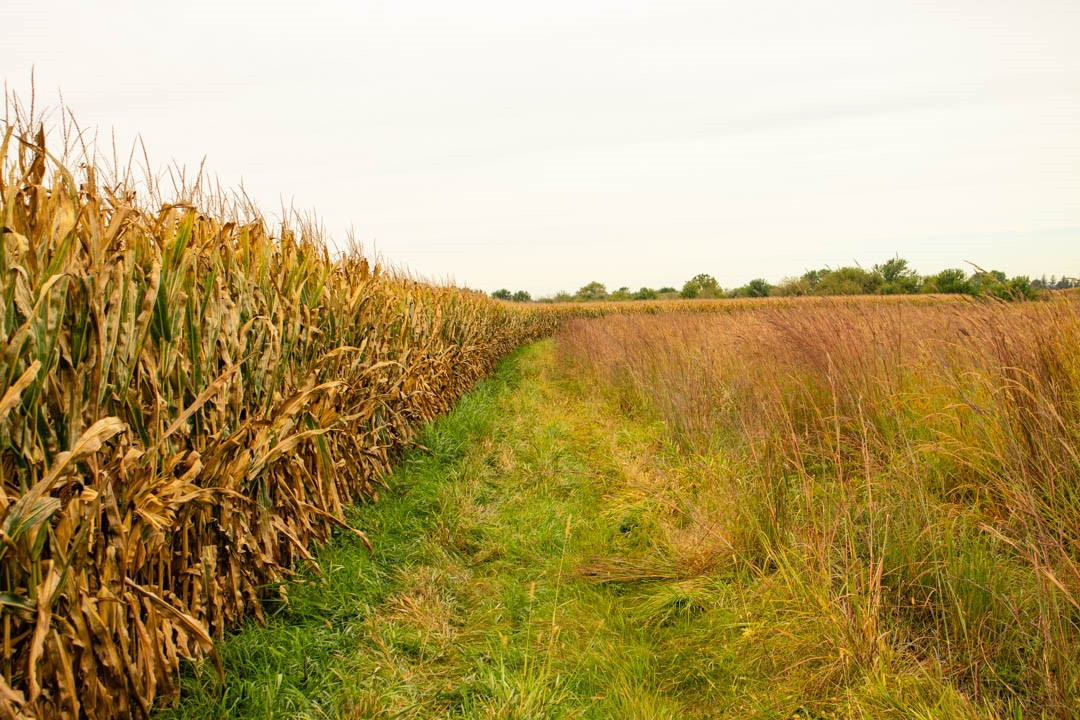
542, 145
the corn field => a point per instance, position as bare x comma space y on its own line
187, 404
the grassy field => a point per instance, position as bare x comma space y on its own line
896, 487
848, 510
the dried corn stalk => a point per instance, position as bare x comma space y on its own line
186, 406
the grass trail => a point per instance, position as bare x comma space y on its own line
482, 597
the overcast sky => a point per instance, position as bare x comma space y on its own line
542, 145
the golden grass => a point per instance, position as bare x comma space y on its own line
900, 480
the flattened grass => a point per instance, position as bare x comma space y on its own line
481, 599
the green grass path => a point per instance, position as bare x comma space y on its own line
481, 599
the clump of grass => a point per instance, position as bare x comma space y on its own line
898, 482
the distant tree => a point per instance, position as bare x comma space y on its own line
647, 294
793, 287
988, 282
952, 281
813, 277
759, 287
894, 269
563, 296
622, 293
502, 294
666, 290
701, 286
897, 277
1020, 288
592, 291
521, 296
848, 281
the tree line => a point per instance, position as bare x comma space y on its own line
892, 277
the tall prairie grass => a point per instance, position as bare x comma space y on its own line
894, 487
